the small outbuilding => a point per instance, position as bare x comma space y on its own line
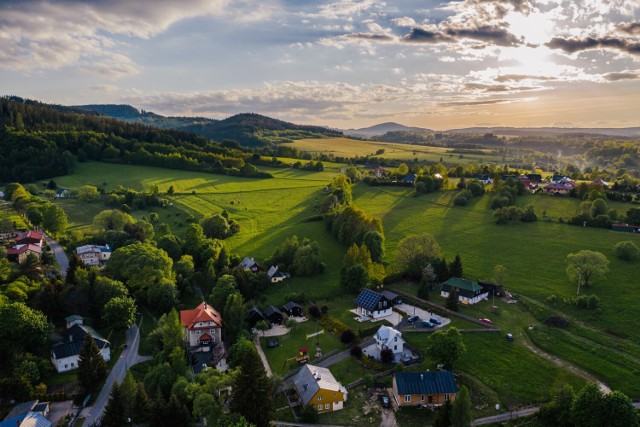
274, 315
254, 315
292, 309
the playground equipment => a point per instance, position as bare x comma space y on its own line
315, 334
301, 358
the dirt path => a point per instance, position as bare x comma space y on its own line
566, 365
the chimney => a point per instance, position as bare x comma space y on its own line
421, 377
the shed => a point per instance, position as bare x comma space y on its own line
273, 314
292, 309
254, 315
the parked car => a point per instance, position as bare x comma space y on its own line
510, 337
414, 318
435, 321
485, 320
427, 324
385, 401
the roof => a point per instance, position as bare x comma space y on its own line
291, 305
368, 299
73, 317
312, 378
409, 177
248, 263
74, 337
202, 313
386, 336
21, 409
92, 249
255, 310
389, 295
205, 337
31, 234
271, 310
19, 249
272, 270
34, 419
429, 382
460, 283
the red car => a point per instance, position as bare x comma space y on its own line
484, 320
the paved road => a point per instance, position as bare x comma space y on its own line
127, 359
58, 252
504, 417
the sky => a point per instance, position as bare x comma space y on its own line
339, 63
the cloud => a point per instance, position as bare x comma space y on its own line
498, 88
624, 75
480, 102
485, 33
629, 27
520, 77
573, 45
370, 36
418, 35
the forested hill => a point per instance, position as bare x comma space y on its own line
248, 129
39, 141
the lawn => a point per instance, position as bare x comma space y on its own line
348, 371
282, 358
7, 212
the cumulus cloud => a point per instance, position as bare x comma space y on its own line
485, 33
624, 75
629, 27
574, 44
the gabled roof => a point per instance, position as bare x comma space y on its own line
272, 270
249, 263
73, 318
271, 310
92, 249
429, 382
29, 235
390, 295
74, 336
312, 378
369, 299
34, 419
291, 305
410, 177
255, 311
386, 335
460, 283
202, 313
21, 409
19, 249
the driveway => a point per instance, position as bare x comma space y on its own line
127, 359
57, 410
423, 314
58, 252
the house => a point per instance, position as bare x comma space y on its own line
65, 356
525, 179
601, 183
318, 388
409, 178
94, 255
557, 189
28, 414
485, 179
561, 179
62, 193
468, 292
374, 304
429, 388
275, 275
250, 264
379, 171
254, 315
202, 325
392, 297
273, 315
74, 319
534, 177
30, 238
493, 289
292, 309
19, 253
390, 338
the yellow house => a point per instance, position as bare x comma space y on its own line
318, 388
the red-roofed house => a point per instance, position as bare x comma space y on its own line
202, 325
19, 253
30, 237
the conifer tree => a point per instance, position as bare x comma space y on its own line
92, 368
452, 300
115, 411
252, 395
455, 268
461, 409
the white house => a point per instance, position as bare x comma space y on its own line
202, 325
94, 255
390, 338
468, 292
65, 356
373, 304
276, 276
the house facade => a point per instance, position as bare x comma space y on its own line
373, 304
65, 356
390, 338
318, 388
19, 253
429, 388
558, 189
94, 255
468, 292
276, 276
202, 325
250, 264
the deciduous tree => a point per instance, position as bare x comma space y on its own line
446, 347
586, 265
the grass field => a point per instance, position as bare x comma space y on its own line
345, 147
7, 212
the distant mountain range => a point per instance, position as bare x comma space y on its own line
248, 129
549, 131
382, 128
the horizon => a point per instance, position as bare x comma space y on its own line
343, 64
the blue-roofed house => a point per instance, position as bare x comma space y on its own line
428, 388
27, 414
373, 304
65, 356
409, 178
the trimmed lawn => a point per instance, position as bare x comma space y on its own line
282, 358
348, 371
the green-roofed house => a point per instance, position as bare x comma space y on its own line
468, 292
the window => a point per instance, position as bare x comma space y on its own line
73, 364
327, 406
66, 366
446, 396
319, 397
430, 399
422, 398
395, 338
407, 398
319, 407
395, 347
197, 332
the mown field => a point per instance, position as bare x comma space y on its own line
345, 147
270, 210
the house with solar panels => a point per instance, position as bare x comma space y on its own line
373, 304
429, 388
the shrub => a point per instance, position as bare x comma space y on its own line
347, 336
460, 200
552, 299
593, 302
582, 301
627, 251
314, 311
386, 355
356, 351
557, 321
